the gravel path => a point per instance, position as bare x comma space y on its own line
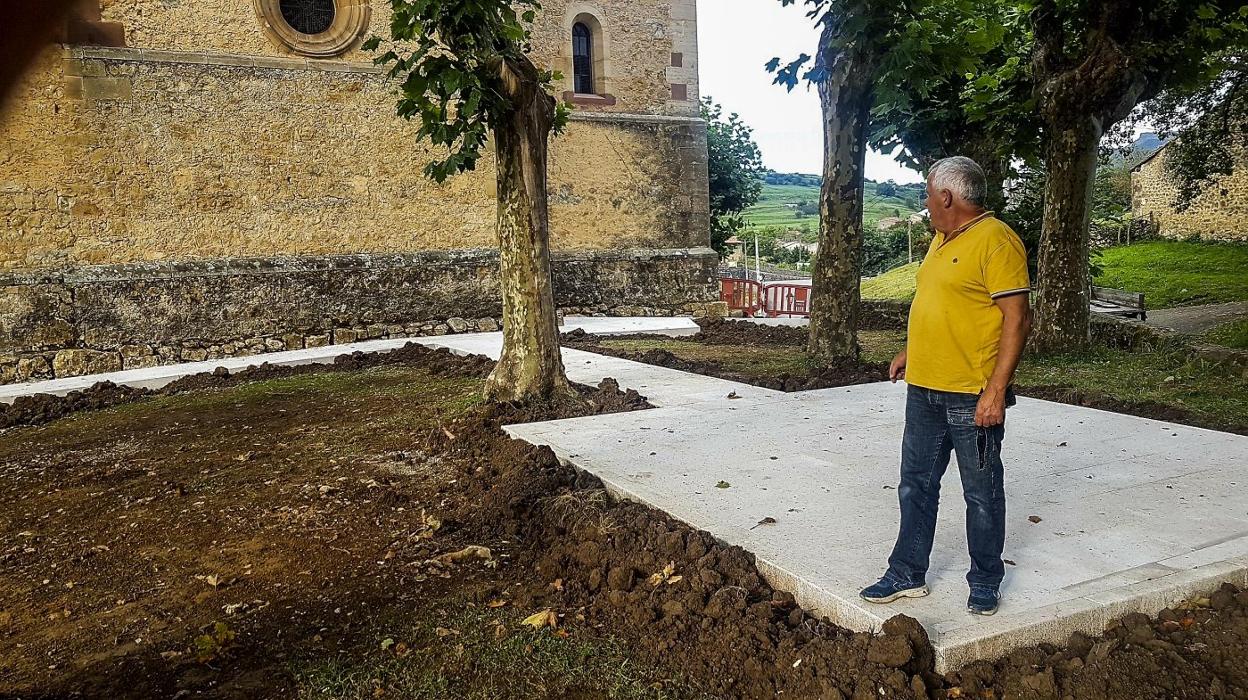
1198, 319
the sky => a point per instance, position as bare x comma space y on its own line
735, 39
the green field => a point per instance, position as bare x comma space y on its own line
778, 207
1170, 273
1178, 273
895, 285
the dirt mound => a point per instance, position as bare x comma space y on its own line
720, 332
1144, 409
683, 599
43, 408
834, 374
678, 596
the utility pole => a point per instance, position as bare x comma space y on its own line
909, 240
758, 265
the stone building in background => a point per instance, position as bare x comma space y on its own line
186, 181
1219, 213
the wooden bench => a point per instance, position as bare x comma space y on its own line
1116, 302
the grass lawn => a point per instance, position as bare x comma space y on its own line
1231, 335
895, 285
1177, 273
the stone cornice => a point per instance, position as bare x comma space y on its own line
278, 265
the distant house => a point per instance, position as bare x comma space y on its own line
889, 222
1220, 212
798, 245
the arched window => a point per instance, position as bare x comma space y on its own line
308, 16
582, 59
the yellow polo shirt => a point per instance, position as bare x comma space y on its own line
955, 326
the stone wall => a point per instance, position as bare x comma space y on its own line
126, 155
640, 38
106, 318
203, 191
1220, 213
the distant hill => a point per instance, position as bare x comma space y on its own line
791, 200
1144, 146
1147, 143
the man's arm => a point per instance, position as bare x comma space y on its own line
1015, 325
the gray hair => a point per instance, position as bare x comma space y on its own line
961, 176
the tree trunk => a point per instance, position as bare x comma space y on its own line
530, 367
845, 94
1062, 300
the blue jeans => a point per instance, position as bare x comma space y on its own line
937, 423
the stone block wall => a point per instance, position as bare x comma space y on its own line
106, 318
118, 155
203, 191
1220, 213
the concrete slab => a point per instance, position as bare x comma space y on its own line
1134, 514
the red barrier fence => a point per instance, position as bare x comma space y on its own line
786, 300
741, 295
774, 298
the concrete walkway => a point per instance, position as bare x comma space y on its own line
1198, 319
156, 377
1130, 514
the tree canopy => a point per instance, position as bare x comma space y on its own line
735, 167
451, 57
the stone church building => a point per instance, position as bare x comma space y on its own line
192, 180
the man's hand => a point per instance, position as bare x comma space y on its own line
990, 410
897, 370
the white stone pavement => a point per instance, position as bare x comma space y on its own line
1134, 514
156, 377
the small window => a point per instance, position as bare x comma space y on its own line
308, 16
582, 59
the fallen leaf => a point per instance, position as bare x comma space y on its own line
1061, 444
496, 603
544, 618
765, 521
1010, 562
386, 644
1034, 518
472, 551
445, 631
666, 575
722, 485
401, 650
797, 663
733, 395
557, 584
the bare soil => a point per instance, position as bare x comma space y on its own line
214, 542
739, 333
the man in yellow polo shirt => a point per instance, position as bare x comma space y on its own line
968, 324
